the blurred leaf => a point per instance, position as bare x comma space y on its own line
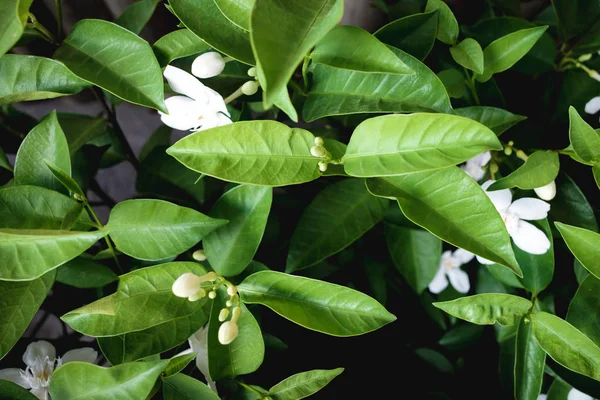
454, 81
12, 22
570, 205
137, 15
414, 34
83, 273
180, 387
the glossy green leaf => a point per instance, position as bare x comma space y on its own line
4, 163
303, 384
414, 34
279, 48
540, 169
504, 52
84, 273
584, 244
575, 16
19, 301
465, 218
584, 139
26, 78
530, 359
487, 308
64, 178
131, 381
116, 60
401, 144
178, 44
316, 305
27, 254
265, 153
567, 345
12, 391
454, 81
156, 229
230, 248
584, 307
81, 129
206, 20
570, 205
178, 363
45, 142
183, 387
559, 390
144, 299
12, 22
496, 119
338, 216
137, 15
447, 25
415, 253
242, 356
538, 269
468, 54
237, 11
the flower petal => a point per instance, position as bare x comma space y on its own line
185, 83
439, 282
484, 261
184, 113
500, 198
199, 344
593, 106
530, 239
481, 159
529, 208
575, 394
459, 279
463, 256
38, 351
41, 393
208, 65
14, 375
84, 354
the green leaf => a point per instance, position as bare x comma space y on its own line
178, 44
237, 11
337, 216
12, 391
504, 52
161, 137
454, 81
540, 169
280, 47
530, 359
137, 15
590, 42
64, 178
339, 91
303, 384
584, 244
131, 381
27, 78
414, 34
27, 254
207, 21
265, 153
584, 139
596, 172
116, 60
496, 119
567, 345
19, 301
178, 363
559, 390
538, 269
230, 248
242, 356
461, 337
71, 217
570, 205
12, 22
144, 299
183, 387
45, 142
415, 253
575, 16
84, 273
4, 163
465, 218
468, 54
156, 229
316, 305
401, 144
81, 129
584, 308
487, 308
447, 25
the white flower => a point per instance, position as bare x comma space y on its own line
593, 106
199, 345
526, 236
474, 166
208, 65
575, 394
546, 192
200, 108
40, 358
450, 271
542, 397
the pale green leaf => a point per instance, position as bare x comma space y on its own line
468, 54
584, 139
488, 308
183, 387
13, 19
447, 25
65, 179
303, 384
237, 11
540, 169
454, 81
584, 244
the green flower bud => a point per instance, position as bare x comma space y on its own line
249, 88
223, 315
199, 255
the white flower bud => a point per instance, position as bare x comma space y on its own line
229, 303
212, 294
319, 141
318, 151
252, 72
232, 290
546, 192
235, 315
322, 166
228, 331
199, 255
186, 285
199, 295
249, 88
223, 315
594, 75
208, 65
585, 57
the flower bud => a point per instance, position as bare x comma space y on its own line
249, 88
508, 151
199, 294
79, 197
224, 314
208, 65
199, 255
232, 290
212, 294
546, 192
585, 57
228, 331
322, 166
235, 315
318, 151
319, 141
252, 72
186, 285
594, 75
229, 303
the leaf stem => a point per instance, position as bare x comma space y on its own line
99, 224
471, 85
59, 18
42, 30
234, 95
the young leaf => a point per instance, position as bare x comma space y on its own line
338, 216
71, 217
414, 34
180, 386
156, 229
584, 139
447, 26
19, 301
64, 178
530, 359
12, 22
84, 273
27, 78
496, 119
468, 54
584, 244
178, 44
135, 379
137, 15
45, 142
303, 384
316, 305
116, 60
231, 248
584, 304
401, 144
538, 269
265, 153
487, 308
540, 169
465, 218
178, 363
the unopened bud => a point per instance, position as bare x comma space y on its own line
508, 151
186, 285
199, 295
212, 294
585, 57
249, 88
235, 314
546, 192
319, 141
322, 166
521, 154
511, 143
229, 303
494, 168
232, 290
211, 276
79, 197
252, 72
318, 151
223, 315
199, 255
594, 75
228, 331
208, 65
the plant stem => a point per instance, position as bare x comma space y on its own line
233, 96
101, 226
59, 18
42, 29
471, 85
